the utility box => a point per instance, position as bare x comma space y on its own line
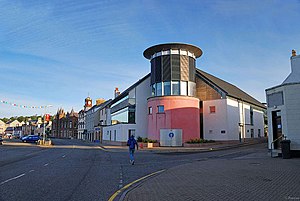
286, 149
171, 137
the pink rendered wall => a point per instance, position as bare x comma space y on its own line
181, 112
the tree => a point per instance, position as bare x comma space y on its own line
21, 118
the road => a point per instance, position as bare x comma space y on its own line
75, 170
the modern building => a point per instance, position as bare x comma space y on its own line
65, 125
283, 103
193, 104
128, 113
177, 102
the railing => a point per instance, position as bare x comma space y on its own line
280, 137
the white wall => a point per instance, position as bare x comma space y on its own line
292, 106
230, 114
214, 123
233, 116
122, 131
143, 92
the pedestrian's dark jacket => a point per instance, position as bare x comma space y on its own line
131, 142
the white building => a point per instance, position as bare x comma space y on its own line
228, 112
82, 132
128, 113
284, 108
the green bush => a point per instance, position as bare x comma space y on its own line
199, 140
145, 140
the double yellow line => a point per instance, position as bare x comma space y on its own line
130, 184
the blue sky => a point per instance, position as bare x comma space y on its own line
58, 52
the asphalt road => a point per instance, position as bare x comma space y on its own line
75, 170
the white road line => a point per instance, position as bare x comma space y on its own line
64, 156
31, 170
21, 175
46, 164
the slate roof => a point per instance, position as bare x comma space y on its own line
230, 89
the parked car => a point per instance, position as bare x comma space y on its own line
31, 138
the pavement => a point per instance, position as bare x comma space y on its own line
205, 147
254, 176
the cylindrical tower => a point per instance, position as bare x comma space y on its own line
172, 104
173, 68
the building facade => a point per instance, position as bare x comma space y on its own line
177, 102
65, 125
128, 113
283, 112
82, 132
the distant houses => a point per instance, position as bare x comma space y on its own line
16, 129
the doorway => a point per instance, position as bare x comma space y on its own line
277, 127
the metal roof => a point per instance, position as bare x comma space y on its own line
167, 46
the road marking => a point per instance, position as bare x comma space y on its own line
46, 164
130, 184
31, 170
21, 175
64, 156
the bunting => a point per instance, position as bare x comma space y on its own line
24, 106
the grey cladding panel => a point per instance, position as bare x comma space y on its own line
157, 69
275, 99
175, 67
166, 68
192, 69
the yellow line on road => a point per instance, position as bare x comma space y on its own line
130, 184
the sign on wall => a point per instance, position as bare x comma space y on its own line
171, 137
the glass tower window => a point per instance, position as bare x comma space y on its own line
175, 88
183, 88
158, 89
167, 88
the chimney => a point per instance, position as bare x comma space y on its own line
117, 92
100, 101
294, 76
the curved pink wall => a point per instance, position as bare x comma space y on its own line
181, 112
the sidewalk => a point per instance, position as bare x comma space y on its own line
252, 177
201, 148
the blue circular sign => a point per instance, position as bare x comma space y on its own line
171, 135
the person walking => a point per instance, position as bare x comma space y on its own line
132, 143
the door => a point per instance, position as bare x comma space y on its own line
277, 128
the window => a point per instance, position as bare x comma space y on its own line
153, 90
160, 109
175, 88
183, 88
167, 88
212, 109
251, 115
258, 133
70, 124
150, 110
158, 89
115, 135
